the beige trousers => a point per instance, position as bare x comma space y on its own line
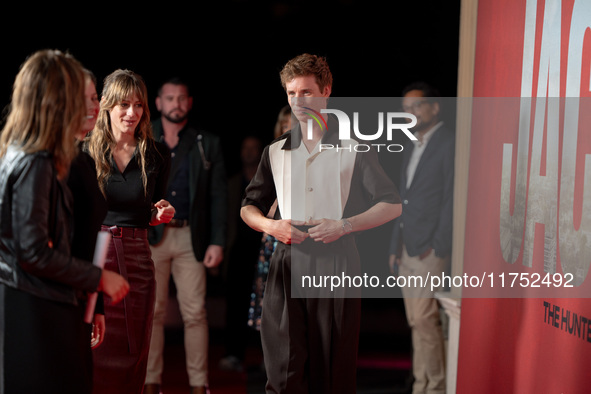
174, 255
422, 313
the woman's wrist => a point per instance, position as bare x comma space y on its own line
153, 220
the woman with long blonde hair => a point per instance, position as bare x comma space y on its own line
132, 172
45, 343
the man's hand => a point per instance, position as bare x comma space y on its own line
284, 232
394, 263
281, 229
213, 256
425, 254
326, 230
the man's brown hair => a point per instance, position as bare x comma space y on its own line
304, 65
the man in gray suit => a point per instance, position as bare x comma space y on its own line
422, 235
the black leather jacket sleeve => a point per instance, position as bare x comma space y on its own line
35, 232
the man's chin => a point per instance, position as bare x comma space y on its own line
175, 119
419, 127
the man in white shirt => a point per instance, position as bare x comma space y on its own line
310, 342
421, 239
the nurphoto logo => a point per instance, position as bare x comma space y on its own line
345, 130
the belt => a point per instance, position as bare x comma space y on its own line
178, 223
126, 232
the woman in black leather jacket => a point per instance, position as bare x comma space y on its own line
42, 287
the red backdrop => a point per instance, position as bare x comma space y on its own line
525, 339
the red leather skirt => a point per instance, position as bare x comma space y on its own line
120, 361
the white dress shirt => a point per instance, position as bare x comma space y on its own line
312, 185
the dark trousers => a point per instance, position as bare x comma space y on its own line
242, 262
309, 344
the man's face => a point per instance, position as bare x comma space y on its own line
426, 112
174, 103
304, 92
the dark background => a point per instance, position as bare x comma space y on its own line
232, 51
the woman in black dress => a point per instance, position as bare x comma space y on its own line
43, 338
89, 210
132, 171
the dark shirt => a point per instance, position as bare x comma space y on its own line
178, 190
129, 205
90, 207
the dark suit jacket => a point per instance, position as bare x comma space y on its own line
207, 189
427, 205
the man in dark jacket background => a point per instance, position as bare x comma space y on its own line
194, 239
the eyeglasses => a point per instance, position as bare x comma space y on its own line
414, 106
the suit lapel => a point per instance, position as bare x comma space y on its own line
430, 150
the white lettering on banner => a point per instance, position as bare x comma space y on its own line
542, 195
538, 204
573, 244
511, 226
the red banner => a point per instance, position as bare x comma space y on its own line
528, 226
